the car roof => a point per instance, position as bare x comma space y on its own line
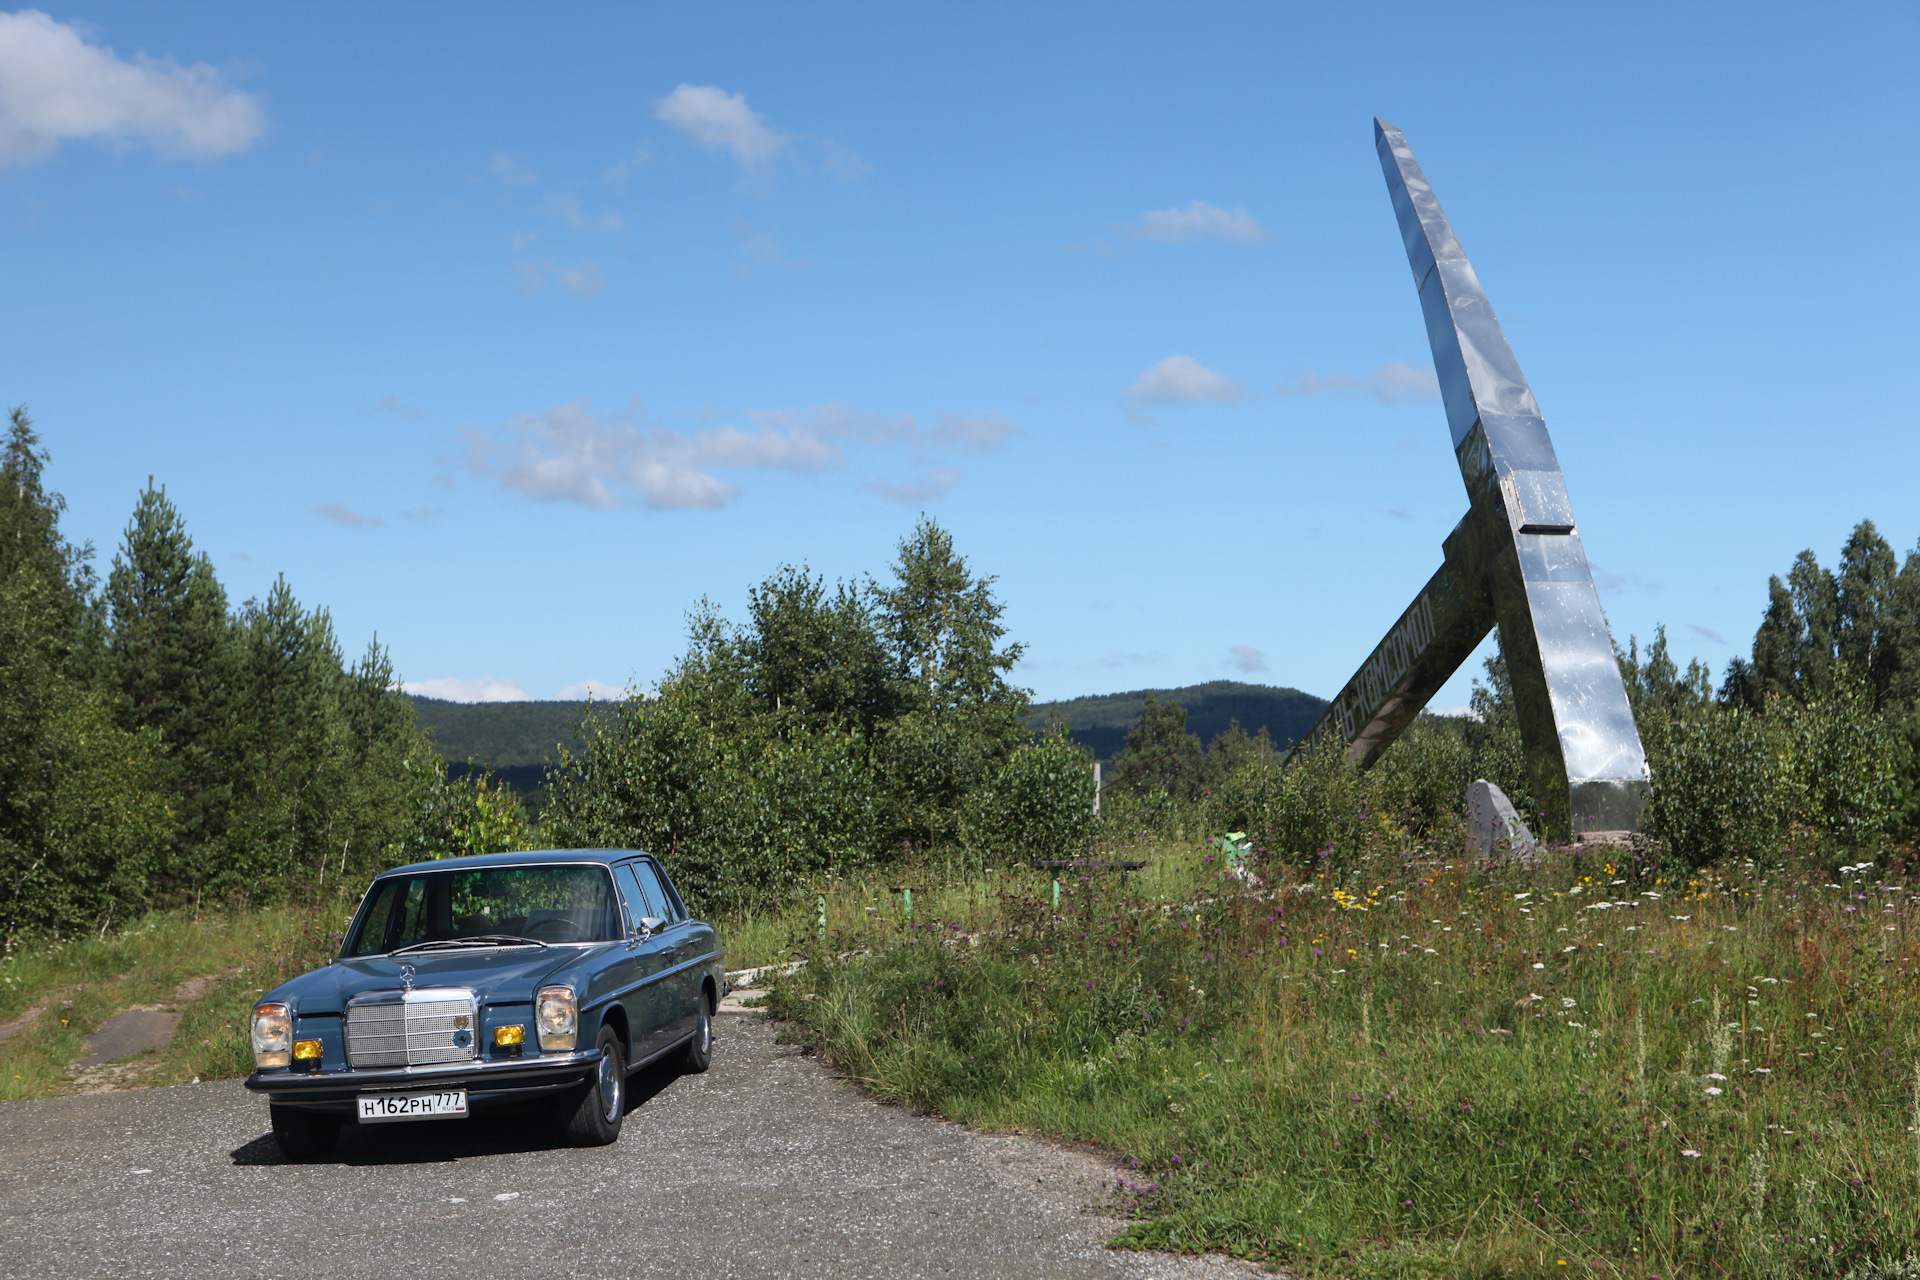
525, 858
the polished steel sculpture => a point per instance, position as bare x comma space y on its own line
1515, 560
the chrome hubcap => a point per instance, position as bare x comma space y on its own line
610, 1086
706, 1030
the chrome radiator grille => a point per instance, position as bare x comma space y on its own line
412, 1028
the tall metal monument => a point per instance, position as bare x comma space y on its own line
1515, 560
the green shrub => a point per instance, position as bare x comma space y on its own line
1717, 781
1038, 805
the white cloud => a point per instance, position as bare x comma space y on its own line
1706, 633
923, 489
1184, 378
838, 422
454, 689
582, 278
54, 86
1177, 226
1124, 658
598, 690
619, 171
721, 121
424, 514
567, 209
1404, 380
1245, 657
1390, 383
352, 519
509, 175
976, 433
844, 163
973, 433
758, 249
398, 408
568, 455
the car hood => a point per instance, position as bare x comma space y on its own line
496, 974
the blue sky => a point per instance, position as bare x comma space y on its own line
508, 332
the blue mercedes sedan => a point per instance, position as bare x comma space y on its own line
471, 983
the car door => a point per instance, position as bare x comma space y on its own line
698, 941
653, 1004
678, 949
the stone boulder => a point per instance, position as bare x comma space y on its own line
1494, 826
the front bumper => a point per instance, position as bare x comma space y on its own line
488, 1083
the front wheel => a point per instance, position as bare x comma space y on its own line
302, 1135
593, 1118
699, 1052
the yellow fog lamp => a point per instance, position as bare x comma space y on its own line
557, 1017
510, 1037
306, 1051
272, 1034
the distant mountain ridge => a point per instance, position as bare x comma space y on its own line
516, 739
1100, 721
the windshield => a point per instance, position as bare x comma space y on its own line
543, 904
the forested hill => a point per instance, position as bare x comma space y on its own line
1100, 722
515, 738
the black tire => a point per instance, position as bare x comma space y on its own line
302, 1135
698, 1055
593, 1117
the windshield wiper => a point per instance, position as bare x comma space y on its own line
472, 940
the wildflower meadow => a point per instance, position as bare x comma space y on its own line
1576, 1063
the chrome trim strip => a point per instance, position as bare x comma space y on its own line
288, 1081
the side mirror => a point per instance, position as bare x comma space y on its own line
649, 925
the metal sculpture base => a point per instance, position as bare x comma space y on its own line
1514, 561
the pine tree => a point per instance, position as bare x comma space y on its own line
1863, 606
1865, 619
31, 543
80, 818
171, 661
287, 734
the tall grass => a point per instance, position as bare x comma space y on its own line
79, 983
1431, 1066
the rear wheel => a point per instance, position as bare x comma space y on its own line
302, 1135
593, 1118
699, 1052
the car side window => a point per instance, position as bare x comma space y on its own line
637, 904
669, 906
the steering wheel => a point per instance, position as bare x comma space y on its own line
554, 929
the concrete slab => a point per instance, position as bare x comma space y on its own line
129, 1032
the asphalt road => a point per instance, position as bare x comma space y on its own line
764, 1166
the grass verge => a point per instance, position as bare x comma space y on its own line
76, 984
1416, 1067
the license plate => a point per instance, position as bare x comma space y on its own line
376, 1107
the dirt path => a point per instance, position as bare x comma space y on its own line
114, 1051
